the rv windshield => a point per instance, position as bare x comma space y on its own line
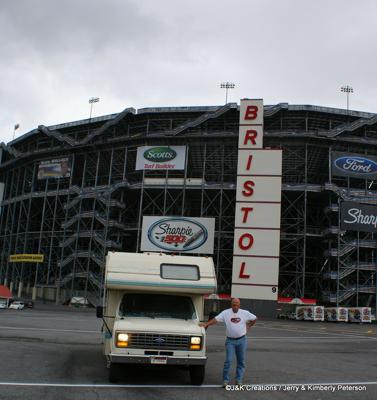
156, 306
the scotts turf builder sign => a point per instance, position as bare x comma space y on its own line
160, 157
354, 165
178, 234
358, 217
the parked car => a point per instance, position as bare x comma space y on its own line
17, 305
3, 305
26, 302
29, 304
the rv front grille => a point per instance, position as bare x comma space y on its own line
158, 341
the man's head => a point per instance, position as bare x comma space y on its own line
235, 304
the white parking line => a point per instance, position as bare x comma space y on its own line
11, 328
318, 332
283, 338
104, 385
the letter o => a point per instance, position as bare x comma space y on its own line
245, 242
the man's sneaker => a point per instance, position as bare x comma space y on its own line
225, 384
239, 383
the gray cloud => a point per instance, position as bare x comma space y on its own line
54, 55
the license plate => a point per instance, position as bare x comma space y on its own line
159, 360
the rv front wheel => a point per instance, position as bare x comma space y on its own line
197, 373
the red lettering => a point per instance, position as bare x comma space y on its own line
248, 188
170, 239
251, 135
251, 112
250, 240
248, 166
242, 274
246, 213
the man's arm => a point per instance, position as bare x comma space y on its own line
249, 324
205, 325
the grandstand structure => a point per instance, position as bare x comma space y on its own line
74, 221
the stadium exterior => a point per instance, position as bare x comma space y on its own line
75, 220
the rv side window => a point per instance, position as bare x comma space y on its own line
180, 272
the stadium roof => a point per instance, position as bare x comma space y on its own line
150, 110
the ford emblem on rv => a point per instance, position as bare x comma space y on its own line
357, 165
160, 154
177, 234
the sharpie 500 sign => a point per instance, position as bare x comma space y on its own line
178, 234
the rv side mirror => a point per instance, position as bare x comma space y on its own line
99, 311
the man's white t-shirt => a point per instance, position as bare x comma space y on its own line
235, 322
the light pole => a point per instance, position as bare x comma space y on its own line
227, 86
347, 89
14, 130
91, 102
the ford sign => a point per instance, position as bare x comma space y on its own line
160, 154
178, 234
355, 165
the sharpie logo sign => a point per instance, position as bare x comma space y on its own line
358, 217
177, 234
357, 165
160, 154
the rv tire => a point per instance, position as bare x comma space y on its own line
197, 373
114, 373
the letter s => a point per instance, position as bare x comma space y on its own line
248, 188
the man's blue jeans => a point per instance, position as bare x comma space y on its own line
235, 347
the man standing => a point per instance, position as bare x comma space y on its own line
237, 322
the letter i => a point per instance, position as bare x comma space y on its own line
249, 160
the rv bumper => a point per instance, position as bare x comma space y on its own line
147, 360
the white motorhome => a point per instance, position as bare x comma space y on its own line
153, 304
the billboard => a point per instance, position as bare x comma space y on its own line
358, 217
33, 258
178, 234
256, 247
353, 165
336, 314
310, 313
57, 168
161, 158
360, 314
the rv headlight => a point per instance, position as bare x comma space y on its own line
122, 340
196, 340
123, 337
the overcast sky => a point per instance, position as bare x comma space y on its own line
55, 55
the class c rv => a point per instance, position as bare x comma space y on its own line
152, 307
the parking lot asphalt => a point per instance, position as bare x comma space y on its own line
54, 352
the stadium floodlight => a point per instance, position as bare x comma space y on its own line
14, 130
347, 89
91, 102
227, 86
